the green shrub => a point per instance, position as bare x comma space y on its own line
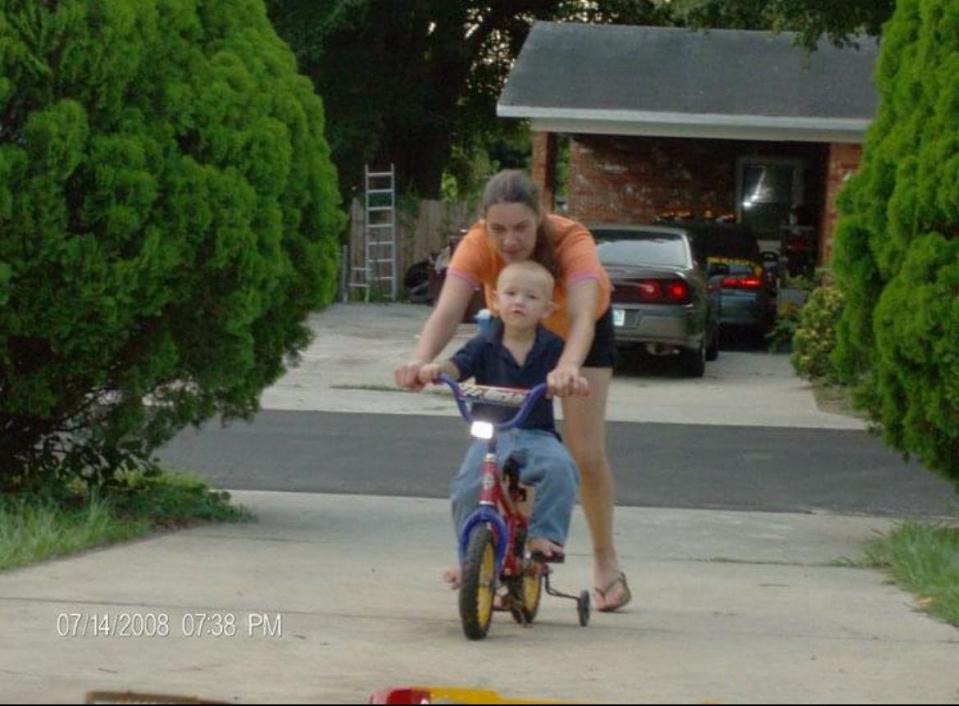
780, 336
897, 242
802, 283
815, 336
64, 518
168, 217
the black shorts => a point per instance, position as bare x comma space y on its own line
602, 354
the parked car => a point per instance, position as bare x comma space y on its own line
744, 297
749, 283
661, 295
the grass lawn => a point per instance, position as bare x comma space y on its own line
43, 526
835, 399
923, 558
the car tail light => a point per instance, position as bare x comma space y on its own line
677, 291
649, 290
742, 283
653, 291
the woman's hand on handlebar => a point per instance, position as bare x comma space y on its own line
430, 373
566, 381
408, 375
415, 374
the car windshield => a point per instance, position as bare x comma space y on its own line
740, 268
660, 249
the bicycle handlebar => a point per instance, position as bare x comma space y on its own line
502, 396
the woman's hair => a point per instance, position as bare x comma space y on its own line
514, 186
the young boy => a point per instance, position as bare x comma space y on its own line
517, 351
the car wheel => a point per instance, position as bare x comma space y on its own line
693, 360
712, 350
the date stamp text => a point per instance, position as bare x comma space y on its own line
159, 624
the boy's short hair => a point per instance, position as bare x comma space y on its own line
533, 270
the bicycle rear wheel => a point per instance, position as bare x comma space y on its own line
478, 583
526, 592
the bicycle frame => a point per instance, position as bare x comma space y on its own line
498, 505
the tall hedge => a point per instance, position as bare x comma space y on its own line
897, 242
168, 217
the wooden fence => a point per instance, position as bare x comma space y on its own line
420, 232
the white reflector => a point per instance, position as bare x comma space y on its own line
482, 430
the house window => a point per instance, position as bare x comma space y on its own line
766, 191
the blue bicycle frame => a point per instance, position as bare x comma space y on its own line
488, 511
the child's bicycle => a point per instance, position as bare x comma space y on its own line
492, 541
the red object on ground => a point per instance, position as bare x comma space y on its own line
408, 695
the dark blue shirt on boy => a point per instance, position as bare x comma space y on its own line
485, 358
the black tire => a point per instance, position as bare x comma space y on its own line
693, 360
526, 592
712, 350
479, 584
582, 607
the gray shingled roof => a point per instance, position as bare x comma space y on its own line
617, 79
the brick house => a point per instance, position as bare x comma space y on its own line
663, 121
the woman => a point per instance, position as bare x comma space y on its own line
515, 227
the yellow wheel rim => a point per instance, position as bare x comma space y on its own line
530, 592
487, 583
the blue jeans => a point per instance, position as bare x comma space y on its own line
548, 467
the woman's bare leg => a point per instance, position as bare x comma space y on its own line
585, 435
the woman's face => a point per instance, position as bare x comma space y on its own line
512, 228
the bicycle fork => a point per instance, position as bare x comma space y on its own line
488, 481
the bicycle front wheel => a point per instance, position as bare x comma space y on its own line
478, 584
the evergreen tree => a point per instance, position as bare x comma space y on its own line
168, 217
415, 82
897, 242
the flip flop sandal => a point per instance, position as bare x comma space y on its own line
627, 596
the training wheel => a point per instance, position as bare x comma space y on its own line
582, 607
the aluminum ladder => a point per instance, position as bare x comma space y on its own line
377, 273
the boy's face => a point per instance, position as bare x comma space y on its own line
523, 298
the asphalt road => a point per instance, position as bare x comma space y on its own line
656, 465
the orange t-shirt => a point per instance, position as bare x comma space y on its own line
476, 260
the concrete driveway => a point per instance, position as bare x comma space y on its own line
349, 368
729, 607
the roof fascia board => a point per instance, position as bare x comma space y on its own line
701, 125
